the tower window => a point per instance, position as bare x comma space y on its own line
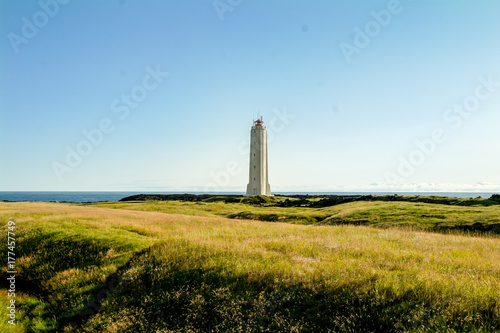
254, 178
254, 166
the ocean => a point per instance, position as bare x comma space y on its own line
86, 196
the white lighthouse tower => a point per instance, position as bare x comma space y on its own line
258, 183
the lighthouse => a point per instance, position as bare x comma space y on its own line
258, 183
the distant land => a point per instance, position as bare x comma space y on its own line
95, 196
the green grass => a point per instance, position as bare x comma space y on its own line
422, 216
62, 257
215, 208
163, 272
417, 215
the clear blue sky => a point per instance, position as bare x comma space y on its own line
346, 88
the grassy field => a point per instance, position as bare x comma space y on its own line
138, 267
417, 215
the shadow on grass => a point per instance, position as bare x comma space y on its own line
42, 254
165, 288
162, 293
113, 286
47, 263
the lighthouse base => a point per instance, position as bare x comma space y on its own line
256, 191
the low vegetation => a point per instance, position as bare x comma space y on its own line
131, 267
417, 212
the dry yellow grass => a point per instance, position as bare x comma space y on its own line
460, 274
